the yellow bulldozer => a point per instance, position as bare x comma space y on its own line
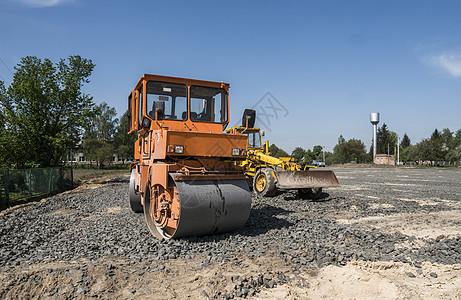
267, 174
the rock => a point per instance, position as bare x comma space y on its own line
411, 275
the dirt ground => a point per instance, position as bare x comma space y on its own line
114, 278
180, 279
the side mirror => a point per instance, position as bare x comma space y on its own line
263, 133
248, 118
145, 123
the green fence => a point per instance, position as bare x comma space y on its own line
26, 184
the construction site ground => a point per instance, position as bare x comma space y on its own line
387, 233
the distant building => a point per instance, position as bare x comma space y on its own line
384, 159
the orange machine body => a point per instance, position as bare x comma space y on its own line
180, 125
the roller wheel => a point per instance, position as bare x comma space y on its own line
135, 198
196, 207
310, 193
264, 182
156, 218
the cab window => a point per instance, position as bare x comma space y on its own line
166, 101
208, 104
254, 140
140, 101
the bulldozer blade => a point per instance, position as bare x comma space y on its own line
306, 179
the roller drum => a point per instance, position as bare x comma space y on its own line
212, 206
205, 207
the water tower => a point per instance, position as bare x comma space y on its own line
374, 119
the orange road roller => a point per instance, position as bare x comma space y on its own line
184, 178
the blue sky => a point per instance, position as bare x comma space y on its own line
327, 63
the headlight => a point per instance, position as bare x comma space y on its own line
235, 151
244, 152
179, 149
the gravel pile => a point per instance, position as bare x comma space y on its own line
95, 223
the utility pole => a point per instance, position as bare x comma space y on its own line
324, 154
387, 153
398, 150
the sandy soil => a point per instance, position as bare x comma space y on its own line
176, 279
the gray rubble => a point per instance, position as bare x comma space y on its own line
96, 223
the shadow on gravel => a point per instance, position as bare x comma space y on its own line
261, 221
324, 197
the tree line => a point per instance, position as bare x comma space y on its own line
443, 145
44, 115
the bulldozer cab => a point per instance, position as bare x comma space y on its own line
254, 136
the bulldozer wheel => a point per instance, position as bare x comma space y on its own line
264, 182
310, 193
135, 198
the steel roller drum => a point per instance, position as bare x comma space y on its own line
212, 206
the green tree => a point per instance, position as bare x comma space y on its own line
317, 152
454, 154
3, 138
44, 109
437, 148
341, 140
99, 151
352, 150
456, 139
277, 152
409, 153
406, 142
447, 138
385, 139
435, 135
124, 142
298, 154
102, 123
329, 158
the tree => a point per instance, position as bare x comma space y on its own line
102, 123
406, 142
317, 152
277, 152
454, 154
99, 151
386, 138
383, 139
352, 150
435, 135
409, 153
298, 154
44, 109
447, 138
456, 139
3, 137
341, 140
124, 142
436, 147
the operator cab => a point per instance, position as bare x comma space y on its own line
254, 136
179, 103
